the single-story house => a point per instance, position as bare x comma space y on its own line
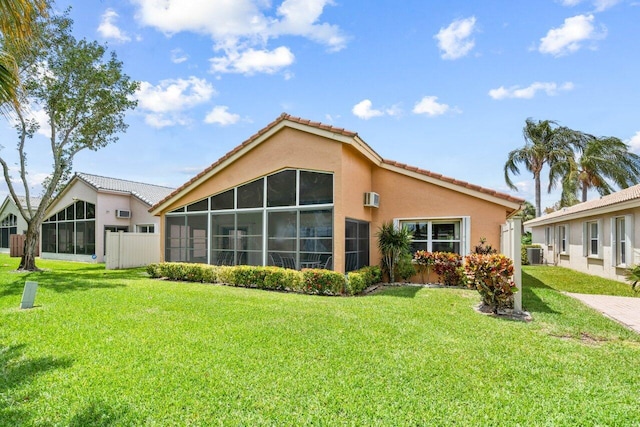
305, 194
596, 237
90, 205
11, 221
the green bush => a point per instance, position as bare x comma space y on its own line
323, 282
492, 276
405, 269
312, 281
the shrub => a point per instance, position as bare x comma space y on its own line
447, 267
323, 282
392, 243
404, 267
492, 276
424, 261
153, 270
249, 276
278, 278
483, 248
359, 280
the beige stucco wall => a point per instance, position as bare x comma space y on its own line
401, 196
575, 258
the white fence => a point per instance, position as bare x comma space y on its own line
128, 250
511, 246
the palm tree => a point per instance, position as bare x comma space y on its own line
393, 243
17, 18
604, 160
546, 144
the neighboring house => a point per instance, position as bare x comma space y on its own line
304, 194
597, 237
90, 205
11, 221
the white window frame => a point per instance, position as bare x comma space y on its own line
622, 242
465, 229
139, 228
588, 238
563, 239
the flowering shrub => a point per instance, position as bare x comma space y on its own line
424, 261
447, 267
323, 282
492, 276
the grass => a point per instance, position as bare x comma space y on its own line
564, 279
117, 348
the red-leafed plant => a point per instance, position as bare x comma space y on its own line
492, 276
447, 267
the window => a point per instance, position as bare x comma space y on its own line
268, 221
592, 239
71, 230
356, 244
438, 235
622, 241
8, 226
146, 228
563, 239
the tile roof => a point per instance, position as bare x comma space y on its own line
343, 132
35, 201
626, 195
148, 193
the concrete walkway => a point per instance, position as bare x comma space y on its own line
624, 310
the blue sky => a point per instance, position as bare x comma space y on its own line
445, 86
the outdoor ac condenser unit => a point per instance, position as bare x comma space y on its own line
123, 214
372, 199
534, 255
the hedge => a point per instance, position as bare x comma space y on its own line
310, 281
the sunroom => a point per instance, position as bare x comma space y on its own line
283, 219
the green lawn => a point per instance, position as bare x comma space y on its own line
116, 348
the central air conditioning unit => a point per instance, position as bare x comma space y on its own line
123, 214
371, 199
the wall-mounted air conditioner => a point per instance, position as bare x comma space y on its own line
372, 199
123, 214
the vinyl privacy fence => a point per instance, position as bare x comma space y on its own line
129, 250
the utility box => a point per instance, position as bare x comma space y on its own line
534, 255
29, 295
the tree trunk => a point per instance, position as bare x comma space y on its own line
536, 179
584, 192
28, 261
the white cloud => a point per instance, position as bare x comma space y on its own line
364, 111
178, 56
455, 41
163, 104
634, 143
569, 37
599, 5
430, 106
220, 115
242, 29
550, 88
108, 28
253, 61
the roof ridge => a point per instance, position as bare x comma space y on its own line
122, 180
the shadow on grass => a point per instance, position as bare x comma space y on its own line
16, 370
530, 300
404, 291
70, 280
100, 413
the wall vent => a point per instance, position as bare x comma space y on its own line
372, 199
123, 214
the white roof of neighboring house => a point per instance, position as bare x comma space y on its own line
148, 193
35, 202
620, 200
